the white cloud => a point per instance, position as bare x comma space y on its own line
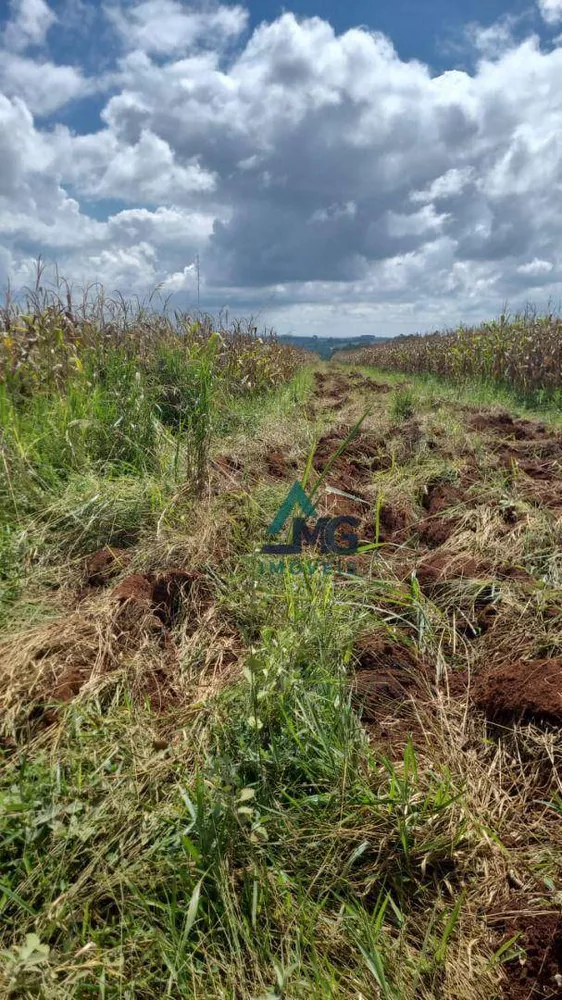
535, 268
321, 178
449, 185
43, 86
551, 10
28, 25
168, 26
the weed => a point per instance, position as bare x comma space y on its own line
402, 407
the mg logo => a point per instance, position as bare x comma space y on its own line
329, 535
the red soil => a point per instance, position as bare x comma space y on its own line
506, 426
394, 524
540, 937
70, 683
387, 675
101, 566
441, 496
228, 463
443, 566
435, 531
279, 466
522, 691
161, 595
362, 456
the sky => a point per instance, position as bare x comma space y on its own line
369, 167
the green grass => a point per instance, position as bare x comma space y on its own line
197, 823
473, 392
239, 860
403, 405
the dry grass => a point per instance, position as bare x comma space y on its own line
238, 831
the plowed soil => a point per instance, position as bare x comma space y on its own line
523, 691
362, 456
161, 595
387, 674
102, 566
538, 973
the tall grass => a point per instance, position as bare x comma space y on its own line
107, 413
113, 389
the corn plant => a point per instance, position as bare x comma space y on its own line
523, 352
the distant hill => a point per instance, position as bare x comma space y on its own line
326, 346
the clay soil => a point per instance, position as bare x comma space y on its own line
522, 690
537, 973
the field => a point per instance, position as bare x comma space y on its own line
228, 774
521, 353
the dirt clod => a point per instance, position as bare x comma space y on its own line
361, 458
229, 463
160, 595
435, 531
537, 972
387, 675
102, 566
441, 567
441, 496
278, 465
70, 683
522, 691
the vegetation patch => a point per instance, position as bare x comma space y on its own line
220, 782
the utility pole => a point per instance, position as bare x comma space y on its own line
197, 266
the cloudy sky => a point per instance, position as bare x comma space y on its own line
378, 166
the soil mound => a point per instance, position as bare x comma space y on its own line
362, 457
538, 974
160, 596
387, 676
228, 463
102, 566
522, 691
278, 465
441, 496
441, 567
394, 524
504, 425
69, 684
435, 531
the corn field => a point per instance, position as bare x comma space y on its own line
47, 341
523, 353
106, 388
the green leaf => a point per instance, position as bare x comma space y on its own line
193, 908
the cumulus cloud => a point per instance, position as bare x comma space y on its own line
322, 179
551, 10
28, 25
43, 86
535, 268
167, 26
146, 171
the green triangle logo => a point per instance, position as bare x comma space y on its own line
295, 498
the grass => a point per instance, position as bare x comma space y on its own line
403, 405
471, 391
211, 865
223, 804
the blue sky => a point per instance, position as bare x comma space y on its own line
433, 31
363, 167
